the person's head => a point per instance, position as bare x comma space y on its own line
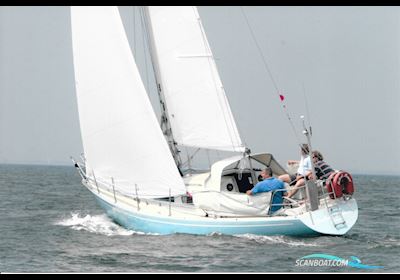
317, 156
266, 172
304, 149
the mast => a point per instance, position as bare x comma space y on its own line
164, 123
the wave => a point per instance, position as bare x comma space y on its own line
278, 239
373, 241
385, 243
99, 224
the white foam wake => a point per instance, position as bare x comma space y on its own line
100, 224
277, 239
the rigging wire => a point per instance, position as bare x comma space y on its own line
134, 32
278, 92
189, 157
307, 111
144, 49
208, 157
260, 51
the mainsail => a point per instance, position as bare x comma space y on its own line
198, 110
122, 140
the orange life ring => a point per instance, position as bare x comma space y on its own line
340, 183
334, 190
345, 180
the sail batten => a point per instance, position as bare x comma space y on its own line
198, 109
121, 137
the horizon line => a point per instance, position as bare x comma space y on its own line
374, 173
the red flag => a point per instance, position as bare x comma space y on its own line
281, 97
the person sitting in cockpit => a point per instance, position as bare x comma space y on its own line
268, 184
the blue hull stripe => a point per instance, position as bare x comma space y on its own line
168, 225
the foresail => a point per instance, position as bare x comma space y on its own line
198, 109
121, 136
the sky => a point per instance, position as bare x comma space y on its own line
337, 66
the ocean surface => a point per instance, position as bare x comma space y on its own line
50, 223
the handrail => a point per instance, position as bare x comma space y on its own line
320, 186
80, 169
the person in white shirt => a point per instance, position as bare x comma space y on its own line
303, 170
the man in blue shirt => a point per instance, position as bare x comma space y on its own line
268, 184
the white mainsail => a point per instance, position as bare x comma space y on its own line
198, 109
121, 136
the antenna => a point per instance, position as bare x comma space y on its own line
308, 135
311, 187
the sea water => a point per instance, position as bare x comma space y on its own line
50, 223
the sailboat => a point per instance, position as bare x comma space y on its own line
131, 161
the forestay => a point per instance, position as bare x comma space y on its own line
198, 109
120, 132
